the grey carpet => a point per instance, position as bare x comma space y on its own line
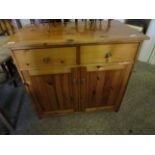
136, 114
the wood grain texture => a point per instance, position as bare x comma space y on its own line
38, 36
101, 88
97, 53
46, 57
76, 87
125, 80
27, 82
53, 93
50, 70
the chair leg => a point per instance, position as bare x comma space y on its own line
7, 123
13, 71
5, 69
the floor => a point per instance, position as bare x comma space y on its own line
136, 114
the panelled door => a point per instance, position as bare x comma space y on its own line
88, 88
56, 92
102, 87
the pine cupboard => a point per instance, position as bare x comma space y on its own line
68, 70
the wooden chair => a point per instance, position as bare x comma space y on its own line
7, 65
9, 70
92, 22
6, 27
3, 118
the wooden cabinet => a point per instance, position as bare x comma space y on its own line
76, 72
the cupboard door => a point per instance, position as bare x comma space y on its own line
102, 87
54, 93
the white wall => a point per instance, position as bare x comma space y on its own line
121, 20
25, 21
148, 45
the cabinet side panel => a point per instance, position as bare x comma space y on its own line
28, 82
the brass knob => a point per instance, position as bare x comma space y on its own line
99, 67
46, 60
108, 55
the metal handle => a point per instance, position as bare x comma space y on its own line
108, 55
82, 81
46, 60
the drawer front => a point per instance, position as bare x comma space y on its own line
108, 53
45, 57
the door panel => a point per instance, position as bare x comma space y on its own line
102, 88
55, 92
87, 88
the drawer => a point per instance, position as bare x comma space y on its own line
44, 57
107, 53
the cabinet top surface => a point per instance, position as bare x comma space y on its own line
34, 36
